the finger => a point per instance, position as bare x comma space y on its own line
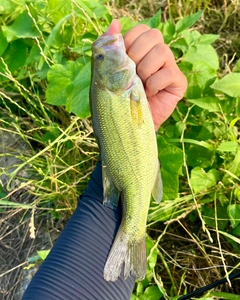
133, 33
162, 106
114, 28
169, 78
143, 44
158, 57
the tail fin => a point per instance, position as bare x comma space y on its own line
130, 251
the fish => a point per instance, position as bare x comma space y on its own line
124, 130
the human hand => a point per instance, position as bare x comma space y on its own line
164, 83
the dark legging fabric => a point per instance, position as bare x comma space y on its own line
74, 267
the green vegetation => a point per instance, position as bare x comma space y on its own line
45, 51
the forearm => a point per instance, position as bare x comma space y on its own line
74, 267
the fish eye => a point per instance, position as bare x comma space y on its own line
100, 56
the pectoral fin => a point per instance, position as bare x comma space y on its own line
157, 190
136, 108
110, 192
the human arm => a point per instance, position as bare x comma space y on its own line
74, 267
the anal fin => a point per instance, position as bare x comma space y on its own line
157, 190
110, 192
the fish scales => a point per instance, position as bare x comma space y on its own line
124, 131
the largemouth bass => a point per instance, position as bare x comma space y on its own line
124, 131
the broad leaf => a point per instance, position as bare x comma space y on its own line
208, 38
59, 78
17, 49
7, 7
210, 217
229, 85
3, 43
202, 180
208, 103
198, 156
233, 169
198, 74
78, 93
228, 146
234, 214
171, 162
188, 21
151, 293
23, 27
237, 66
202, 53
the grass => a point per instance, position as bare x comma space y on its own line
187, 245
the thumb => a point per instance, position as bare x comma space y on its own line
114, 28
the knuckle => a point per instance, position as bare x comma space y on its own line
143, 27
150, 83
164, 50
155, 34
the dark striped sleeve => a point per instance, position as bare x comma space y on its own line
74, 267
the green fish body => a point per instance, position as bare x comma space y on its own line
124, 130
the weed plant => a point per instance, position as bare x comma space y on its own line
45, 50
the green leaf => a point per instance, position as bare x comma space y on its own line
191, 37
2, 193
17, 49
59, 78
204, 54
233, 169
236, 231
237, 67
3, 43
199, 156
208, 213
168, 30
208, 38
155, 21
234, 214
228, 146
43, 254
151, 293
152, 253
229, 85
198, 74
171, 162
51, 38
180, 44
211, 104
78, 93
7, 7
126, 24
69, 86
22, 27
140, 288
188, 21
202, 180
